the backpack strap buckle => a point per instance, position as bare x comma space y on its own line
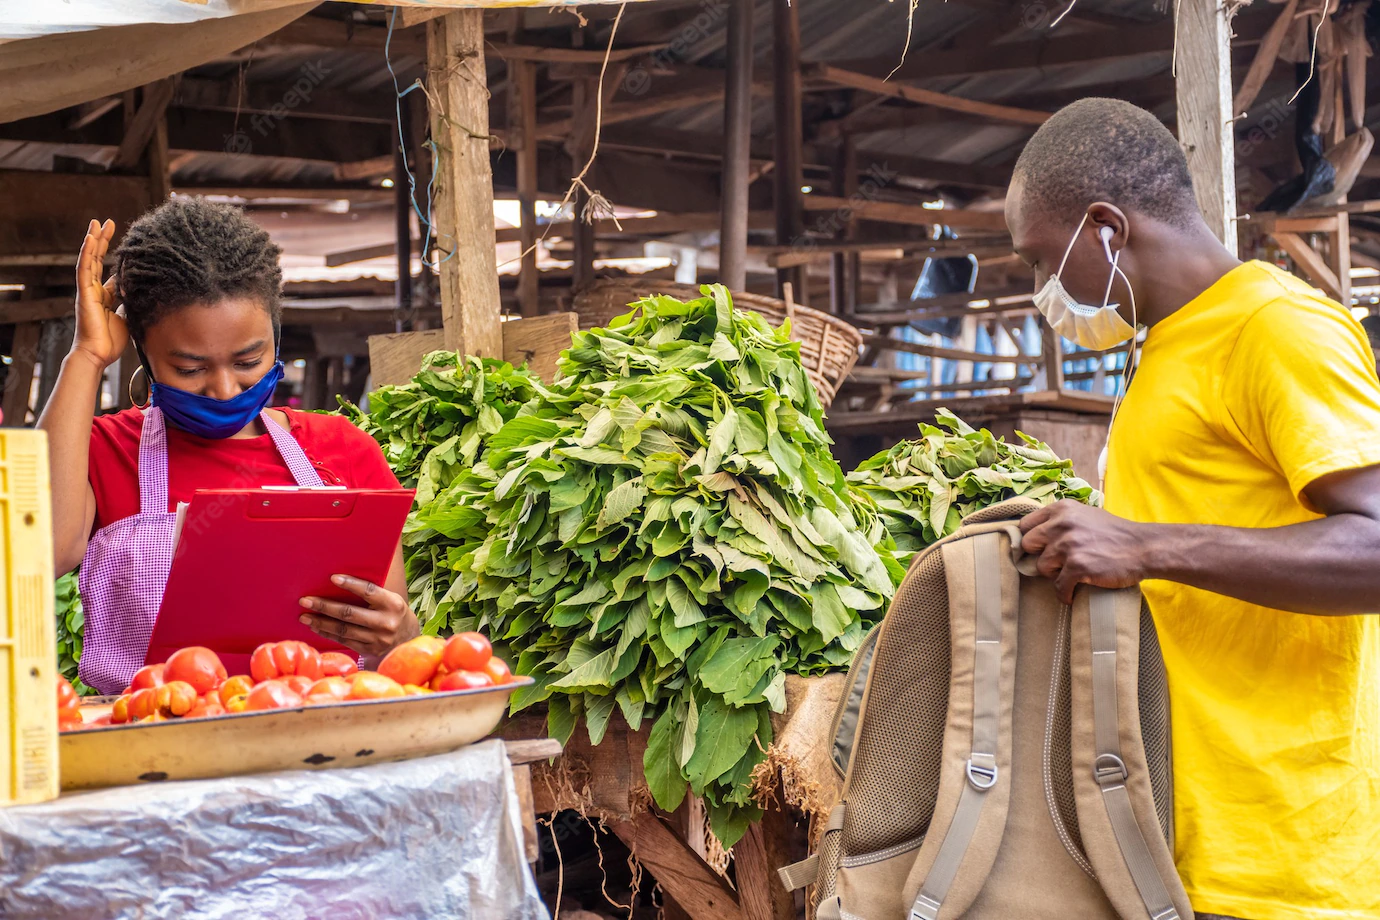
1109, 770
982, 777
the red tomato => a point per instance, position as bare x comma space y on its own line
119, 713
284, 659
415, 661
208, 705
239, 685
465, 680
370, 685
328, 690
298, 683
338, 664
67, 699
273, 694
441, 672
150, 675
498, 671
467, 651
177, 697
143, 703
198, 666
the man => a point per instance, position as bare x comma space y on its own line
1243, 490
1372, 326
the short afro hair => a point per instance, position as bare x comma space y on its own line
189, 251
1107, 150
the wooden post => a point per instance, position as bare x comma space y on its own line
1203, 92
1340, 257
790, 212
580, 144
522, 82
737, 149
1051, 375
402, 217
424, 286
844, 267
314, 383
470, 306
19, 380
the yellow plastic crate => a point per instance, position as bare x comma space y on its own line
28, 640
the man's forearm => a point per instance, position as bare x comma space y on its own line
1327, 566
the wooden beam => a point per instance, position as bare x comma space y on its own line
737, 149
372, 168
1205, 111
94, 110
304, 193
345, 35
470, 305
20, 376
788, 133
841, 77
523, 77
1040, 52
680, 871
1339, 257
1312, 264
1265, 57
145, 123
547, 54
900, 213
886, 343
580, 147
303, 98
627, 111
45, 214
36, 311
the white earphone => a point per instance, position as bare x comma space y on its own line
1106, 233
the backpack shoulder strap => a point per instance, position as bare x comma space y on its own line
1116, 813
974, 790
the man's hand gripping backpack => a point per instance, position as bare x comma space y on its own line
1004, 756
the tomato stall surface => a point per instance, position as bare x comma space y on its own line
416, 840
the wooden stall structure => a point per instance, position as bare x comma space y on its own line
763, 144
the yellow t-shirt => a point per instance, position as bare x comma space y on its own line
1247, 394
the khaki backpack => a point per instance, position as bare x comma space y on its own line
1003, 755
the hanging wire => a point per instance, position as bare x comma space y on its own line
426, 220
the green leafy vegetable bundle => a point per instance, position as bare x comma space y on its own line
430, 430
71, 624
665, 531
922, 488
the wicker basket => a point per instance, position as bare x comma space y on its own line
829, 346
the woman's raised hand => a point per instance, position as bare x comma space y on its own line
101, 332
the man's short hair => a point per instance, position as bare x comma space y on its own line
1372, 326
1106, 150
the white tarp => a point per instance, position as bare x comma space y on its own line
29, 19
425, 839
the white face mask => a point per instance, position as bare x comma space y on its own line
1097, 328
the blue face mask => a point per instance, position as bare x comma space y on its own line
215, 418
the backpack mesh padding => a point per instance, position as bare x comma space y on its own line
828, 860
1154, 723
1061, 749
895, 770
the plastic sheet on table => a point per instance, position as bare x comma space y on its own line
433, 838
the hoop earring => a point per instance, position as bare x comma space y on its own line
129, 390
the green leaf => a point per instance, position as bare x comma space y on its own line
664, 778
722, 738
560, 721
597, 712
595, 672
621, 502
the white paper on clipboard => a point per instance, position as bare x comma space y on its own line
177, 525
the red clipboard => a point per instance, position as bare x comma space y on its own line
245, 557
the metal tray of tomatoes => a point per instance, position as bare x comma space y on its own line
345, 734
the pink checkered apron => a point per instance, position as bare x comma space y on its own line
126, 565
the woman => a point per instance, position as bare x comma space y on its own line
199, 285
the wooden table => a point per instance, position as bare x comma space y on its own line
607, 783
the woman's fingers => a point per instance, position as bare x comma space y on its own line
374, 620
